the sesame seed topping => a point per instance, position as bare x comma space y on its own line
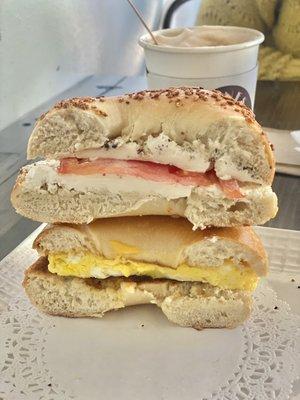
100, 112
42, 116
179, 96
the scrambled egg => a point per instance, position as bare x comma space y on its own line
88, 265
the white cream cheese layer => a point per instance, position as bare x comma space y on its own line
160, 149
45, 173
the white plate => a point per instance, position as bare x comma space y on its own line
137, 354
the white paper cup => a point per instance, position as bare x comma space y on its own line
230, 68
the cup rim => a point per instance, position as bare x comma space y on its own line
258, 37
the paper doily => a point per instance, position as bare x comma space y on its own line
264, 367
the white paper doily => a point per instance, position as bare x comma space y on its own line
136, 353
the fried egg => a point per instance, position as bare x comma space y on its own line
89, 265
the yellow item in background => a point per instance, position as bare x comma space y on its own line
275, 65
279, 20
286, 32
231, 12
266, 10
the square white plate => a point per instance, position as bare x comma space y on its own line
136, 353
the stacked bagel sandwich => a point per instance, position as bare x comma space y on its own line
150, 197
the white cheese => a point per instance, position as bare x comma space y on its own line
160, 149
45, 173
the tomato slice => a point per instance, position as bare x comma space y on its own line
231, 188
149, 171
140, 169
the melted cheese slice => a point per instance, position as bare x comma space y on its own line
88, 265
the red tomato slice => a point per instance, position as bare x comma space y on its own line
147, 170
140, 169
231, 188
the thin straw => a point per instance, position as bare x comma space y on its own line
142, 20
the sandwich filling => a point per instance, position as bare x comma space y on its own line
89, 265
125, 176
149, 171
160, 149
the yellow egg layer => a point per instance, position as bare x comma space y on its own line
88, 265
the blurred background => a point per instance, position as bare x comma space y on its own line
52, 49
49, 45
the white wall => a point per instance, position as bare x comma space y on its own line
186, 14
48, 45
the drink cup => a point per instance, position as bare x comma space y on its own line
228, 63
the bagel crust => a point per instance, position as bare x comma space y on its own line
189, 304
207, 126
204, 207
161, 240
